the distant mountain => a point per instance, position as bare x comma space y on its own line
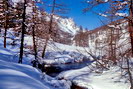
64, 29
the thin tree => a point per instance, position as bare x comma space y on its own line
23, 31
56, 8
6, 21
2, 10
33, 29
6, 17
50, 28
129, 73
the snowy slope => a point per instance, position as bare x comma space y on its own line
87, 78
12, 73
15, 76
109, 79
21, 76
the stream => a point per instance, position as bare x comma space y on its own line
55, 70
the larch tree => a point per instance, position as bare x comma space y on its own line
118, 9
4, 4
33, 29
2, 14
35, 21
56, 8
29, 20
6, 21
23, 31
50, 28
6, 17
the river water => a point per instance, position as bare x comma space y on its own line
54, 70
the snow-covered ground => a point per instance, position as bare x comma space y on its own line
22, 76
89, 79
16, 76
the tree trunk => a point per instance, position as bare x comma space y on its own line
45, 46
129, 73
23, 32
5, 32
33, 31
50, 29
112, 44
34, 42
5, 25
130, 23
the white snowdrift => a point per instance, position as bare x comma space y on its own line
20, 76
84, 77
16, 76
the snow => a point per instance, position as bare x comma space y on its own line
23, 76
68, 25
89, 79
15, 76
124, 3
65, 24
88, 1
6, 52
102, 15
63, 57
16, 1
106, 0
122, 14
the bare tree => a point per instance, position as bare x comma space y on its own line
56, 8
50, 28
6, 21
81, 38
5, 18
34, 18
23, 31
118, 9
130, 22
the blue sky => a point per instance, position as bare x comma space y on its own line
87, 20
